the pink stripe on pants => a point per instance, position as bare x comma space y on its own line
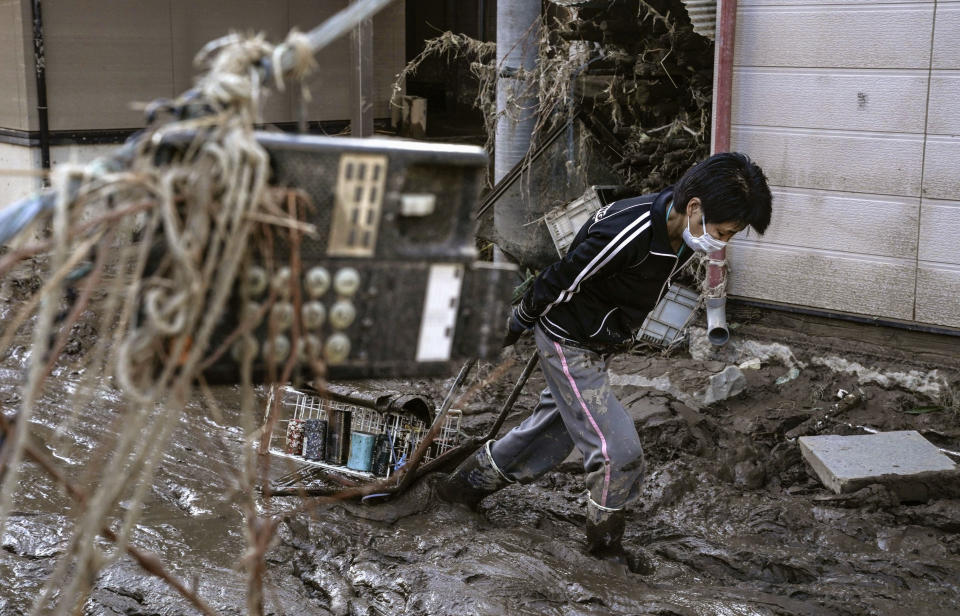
583, 405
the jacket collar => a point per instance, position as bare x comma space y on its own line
661, 240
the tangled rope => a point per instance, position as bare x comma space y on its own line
174, 261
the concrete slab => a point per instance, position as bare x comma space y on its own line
904, 461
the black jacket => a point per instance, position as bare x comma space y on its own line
618, 267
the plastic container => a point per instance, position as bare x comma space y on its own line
564, 222
338, 436
665, 324
381, 456
314, 439
294, 444
361, 451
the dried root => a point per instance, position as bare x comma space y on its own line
169, 230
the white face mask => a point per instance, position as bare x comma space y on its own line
704, 243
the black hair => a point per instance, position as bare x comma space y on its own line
731, 188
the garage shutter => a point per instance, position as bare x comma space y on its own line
851, 109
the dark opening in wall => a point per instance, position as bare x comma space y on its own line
446, 82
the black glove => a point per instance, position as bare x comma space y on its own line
515, 329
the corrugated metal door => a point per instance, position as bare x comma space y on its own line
851, 109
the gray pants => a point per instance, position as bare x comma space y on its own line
577, 409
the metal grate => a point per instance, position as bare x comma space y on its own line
404, 432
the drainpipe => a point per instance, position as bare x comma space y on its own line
40, 68
517, 22
716, 294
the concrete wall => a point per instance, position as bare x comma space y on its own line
17, 94
105, 59
17, 101
18, 168
104, 55
851, 109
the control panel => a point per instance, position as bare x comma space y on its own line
381, 279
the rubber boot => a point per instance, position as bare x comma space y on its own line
605, 539
604, 531
474, 479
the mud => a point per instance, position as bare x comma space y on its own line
730, 518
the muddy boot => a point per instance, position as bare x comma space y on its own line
474, 479
604, 530
605, 539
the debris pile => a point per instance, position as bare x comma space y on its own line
634, 69
649, 81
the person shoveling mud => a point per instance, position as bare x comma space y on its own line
583, 310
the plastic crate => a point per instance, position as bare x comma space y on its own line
563, 222
665, 324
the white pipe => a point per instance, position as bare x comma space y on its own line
717, 331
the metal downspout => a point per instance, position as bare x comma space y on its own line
716, 294
723, 74
40, 69
517, 47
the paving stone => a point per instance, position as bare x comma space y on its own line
904, 461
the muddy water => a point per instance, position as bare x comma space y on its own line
729, 517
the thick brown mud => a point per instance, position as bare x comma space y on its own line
730, 518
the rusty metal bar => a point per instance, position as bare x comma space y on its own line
723, 74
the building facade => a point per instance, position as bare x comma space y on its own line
851, 107
103, 60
